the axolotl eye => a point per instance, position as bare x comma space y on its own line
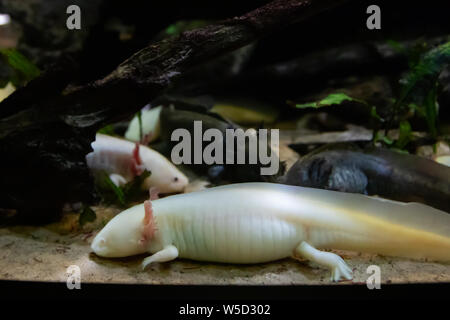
177, 183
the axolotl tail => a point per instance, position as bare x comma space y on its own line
393, 228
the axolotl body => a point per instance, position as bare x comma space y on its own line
123, 160
259, 222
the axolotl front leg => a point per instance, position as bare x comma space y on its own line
335, 263
169, 252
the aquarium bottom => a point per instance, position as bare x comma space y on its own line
45, 254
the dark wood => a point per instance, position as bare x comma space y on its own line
46, 128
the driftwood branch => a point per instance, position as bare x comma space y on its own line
46, 130
149, 72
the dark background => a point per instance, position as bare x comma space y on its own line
347, 24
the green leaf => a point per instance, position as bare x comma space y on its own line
374, 114
109, 191
334, 98
378, 137
178, 27
413, 52
171, 30
399, 150
120, 195
24, 68
397, 46
419, 86
133, 188
420, 110
108, 130
139, 116
87, 215
405, 135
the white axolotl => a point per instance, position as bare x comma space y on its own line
123, 160
445, 160
260, 222
150, 126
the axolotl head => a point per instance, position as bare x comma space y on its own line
164, 175
127, 234
168, 180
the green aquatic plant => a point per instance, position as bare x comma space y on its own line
139, 116
405, 130
331, 99
108, 130
418, 93
86, 215
404, 135
419, 86
123, 195
178, 27
109, 192
378, 137
133, 189
22, 70
337, 99
413, 52
374, 114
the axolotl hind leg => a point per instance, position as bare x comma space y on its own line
339, 269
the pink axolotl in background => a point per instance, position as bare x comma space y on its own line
124, 160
